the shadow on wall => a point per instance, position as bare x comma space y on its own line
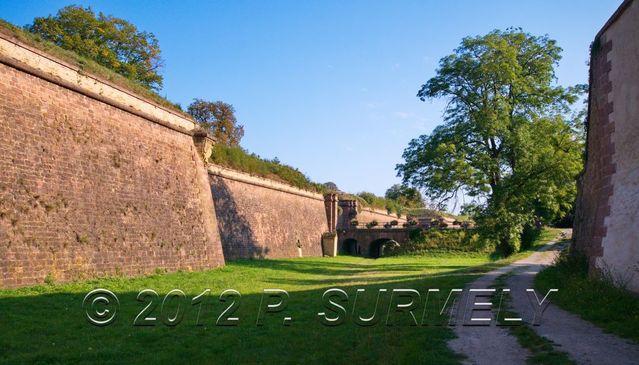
349, 247
238, 238
376, 248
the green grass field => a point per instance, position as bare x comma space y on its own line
46, 324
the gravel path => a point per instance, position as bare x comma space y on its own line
584, 342
486, 344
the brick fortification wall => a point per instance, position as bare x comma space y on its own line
351, 210
94, 185
262, 218
96, 181
607, 214
367, 215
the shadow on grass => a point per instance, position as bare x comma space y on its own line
47, 325
325, 267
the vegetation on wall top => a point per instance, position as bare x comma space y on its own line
218, 118
236, 157
84, 64
372, 200
110, 41
368, 199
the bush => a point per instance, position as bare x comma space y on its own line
426, 241
415, 234
503, 228
529, 235
372, 200
372, 224
49, 279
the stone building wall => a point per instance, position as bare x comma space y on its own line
607, 214
352, 210
97, 181
262, 218
94, 180
381, 216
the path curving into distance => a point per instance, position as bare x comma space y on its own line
584, 342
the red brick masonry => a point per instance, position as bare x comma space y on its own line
595, 185
89, 189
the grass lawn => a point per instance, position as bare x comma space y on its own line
46, 324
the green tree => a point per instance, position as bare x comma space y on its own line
391, 206
219, 119
109, 41
331, 186
406, 196
369, 197
507, 140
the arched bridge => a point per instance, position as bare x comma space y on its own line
369, 242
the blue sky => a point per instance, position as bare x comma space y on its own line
329, 86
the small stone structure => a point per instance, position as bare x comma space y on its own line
370, 242
351, 210
607, 213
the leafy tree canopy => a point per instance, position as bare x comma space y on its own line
330, 186
219, 119
507, 138
407, 196
112, 42
391, 206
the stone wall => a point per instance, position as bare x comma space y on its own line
366, 215
97, 181
368, 242
352, 210
607, 214
94, 180
262, 218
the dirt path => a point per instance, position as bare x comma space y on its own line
584, 342
486, 344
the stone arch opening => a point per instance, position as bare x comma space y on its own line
349, 247
380, 245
